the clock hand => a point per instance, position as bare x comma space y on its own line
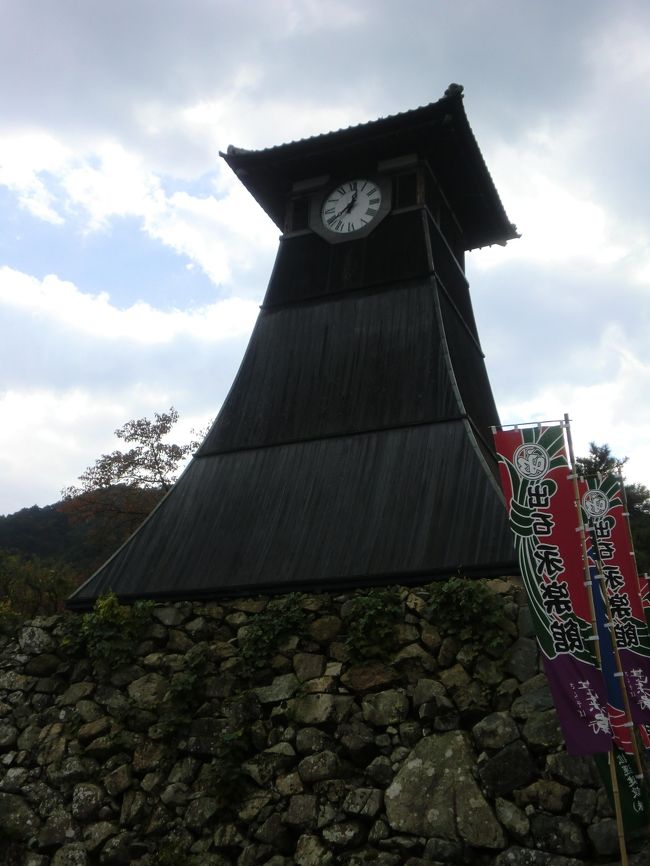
351, 203
347, 208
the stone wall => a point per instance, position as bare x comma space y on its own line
440, 753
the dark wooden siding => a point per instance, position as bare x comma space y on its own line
356, 363
400, 504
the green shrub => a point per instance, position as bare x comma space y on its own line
373, 616
225, 777
9, 617
281, 618
35, 586
186, 692
109, 633
469, 610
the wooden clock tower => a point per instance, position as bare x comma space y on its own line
354, 447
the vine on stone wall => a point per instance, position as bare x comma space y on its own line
282, 617
469, 610
372, 617
108, 633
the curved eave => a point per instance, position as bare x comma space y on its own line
438, 132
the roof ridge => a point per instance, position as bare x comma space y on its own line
454, 91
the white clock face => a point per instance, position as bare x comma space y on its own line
351, 206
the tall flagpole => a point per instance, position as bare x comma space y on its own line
620, 827
628, 528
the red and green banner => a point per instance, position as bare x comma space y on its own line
604, 515
633, 796
544, 518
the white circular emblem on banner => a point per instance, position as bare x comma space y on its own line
595, 503
532, 461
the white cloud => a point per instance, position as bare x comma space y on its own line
615, 411
26, 158
217, 232
305, 16
53, 300
614, 66
252, 122
558, 215
111, 182
47, 437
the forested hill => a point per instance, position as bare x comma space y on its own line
38, 531
78, 533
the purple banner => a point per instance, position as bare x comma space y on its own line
541, 500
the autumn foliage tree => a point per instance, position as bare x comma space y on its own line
120, 489
150, 464
601, 460
30, 586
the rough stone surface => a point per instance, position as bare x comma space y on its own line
516, 856
318, 709
71, 855
17, 819
558, 835
281, 688
344, 834
86, 800
308, 666
8, 735
512, 767
523, 662
440, 753
495, 731
547, 794
35, 640
148, 691
302, 810
542, 732
369, 677
604, 837
365, 802
310, 851
434, 794
385, 708
513, 819
315, 768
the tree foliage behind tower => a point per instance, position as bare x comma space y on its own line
601, 460
121, 488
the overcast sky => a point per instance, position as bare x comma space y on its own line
132, 262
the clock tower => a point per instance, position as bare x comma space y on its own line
354, 446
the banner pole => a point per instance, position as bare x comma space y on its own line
628, 528
616, 794
643, 768
583, 540
620, 829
